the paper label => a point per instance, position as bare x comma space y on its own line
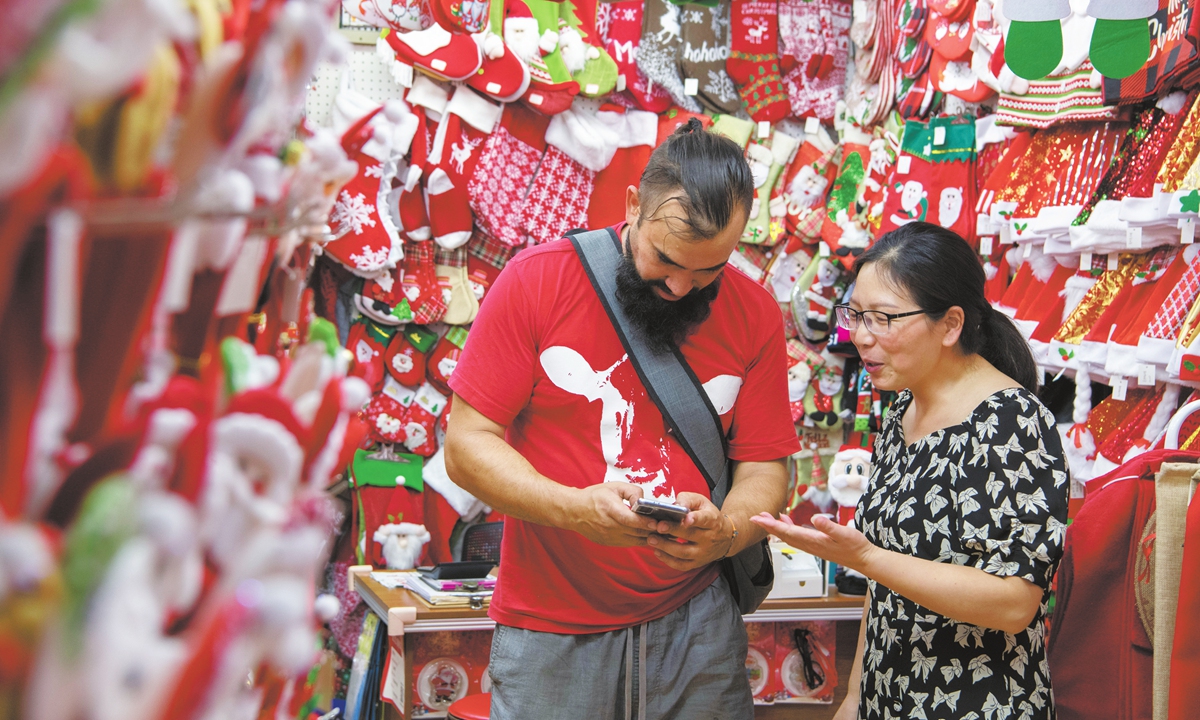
939, 135
904, 164
812, 126
1006, 234
536, 99
493, 87
437, 64
621, 82
1113, 260
1133, 238
985, 245
591, 89
764, 128
983, 225
691, 86
1028, 250
1187, 231
1085, 262
393, 684
823, 249
1120, 386
1146, 375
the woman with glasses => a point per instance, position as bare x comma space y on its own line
961, 527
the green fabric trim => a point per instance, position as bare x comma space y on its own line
1120, 47
1033, 49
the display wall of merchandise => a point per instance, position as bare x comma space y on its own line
243, 254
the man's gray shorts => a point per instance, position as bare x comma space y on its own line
689, 664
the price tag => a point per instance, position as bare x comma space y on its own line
1028, 252
1085, 262
591, 89
1006, 234
1187, 231
437, 64
1146, 375
1133, 238
764, 128
985, 245
536, 99
1120, 386
812, 126
939, 135
691, 86
1113, 261
493, 87
983, 225
621, 82
904, 164
823, 249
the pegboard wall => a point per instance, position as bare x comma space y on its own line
370, 74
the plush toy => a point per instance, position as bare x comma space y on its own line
848, 478
402, 544
823, 402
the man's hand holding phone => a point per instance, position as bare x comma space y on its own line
703, 536
601, 513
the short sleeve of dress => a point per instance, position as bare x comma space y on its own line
1013, 491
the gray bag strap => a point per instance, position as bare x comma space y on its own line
668, 379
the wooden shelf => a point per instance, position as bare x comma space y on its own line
428, 618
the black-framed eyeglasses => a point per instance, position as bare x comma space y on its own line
813, 677
877, 322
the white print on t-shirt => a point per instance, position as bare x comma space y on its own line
570, 371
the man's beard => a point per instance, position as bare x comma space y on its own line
665, 324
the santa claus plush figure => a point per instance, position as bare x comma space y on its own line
402, 544
848, 480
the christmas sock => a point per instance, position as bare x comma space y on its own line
400, 15
769, 162
582, 45
382, 301
405, 358
637, 132
580, 146
622, 39
703, 55
503, 76
501, 181
421, 423
437, 51
659, 49
469, 119
387, 412
804, 186
444, 358
481, 274
368, 341
534, 29
461, 16
420, 284
814, 85
1034, 44
366, 247
411, 209
754, 59
462, 305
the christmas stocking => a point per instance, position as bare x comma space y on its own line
421, 425
937, 191
382, 301
1121, 38
405, 356
368, 341
468, 120
387, 412
510, 158
533, 29
504, 76
420, 284
366, 246
445, 358
583, 47
622, 41
462, 305
754, 59
759, 228
581, 145
636, 132
703, 55
410, 210
461, 16
819, 44
659, 50
804, 185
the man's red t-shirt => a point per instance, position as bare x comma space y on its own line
544, 361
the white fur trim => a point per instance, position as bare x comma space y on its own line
434, 474
1155, 351
1121, 360
583, 137
1072, 293
260, 437
632, 127
428, 94
428, 41
477, 111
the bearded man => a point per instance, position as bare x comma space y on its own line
601, 612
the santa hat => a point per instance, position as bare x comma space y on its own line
852, 452
263, 423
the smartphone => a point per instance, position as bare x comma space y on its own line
660, 510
